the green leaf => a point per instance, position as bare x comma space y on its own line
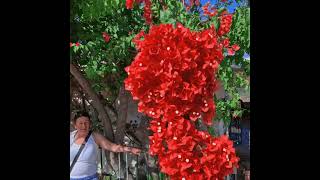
233, 104
161, 176
165, 16
75, 49
211, 131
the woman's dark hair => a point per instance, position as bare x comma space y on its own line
81, 114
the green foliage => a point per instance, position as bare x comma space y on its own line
211, 131
232, 80
240, 34
90, 10
162, 176
103, 62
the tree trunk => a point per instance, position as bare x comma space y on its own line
122, 115
83, 82
122, 103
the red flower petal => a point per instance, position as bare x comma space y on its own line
106, 37
225, 42
235, 47
185, 166
231, 52
129, 4
169, 171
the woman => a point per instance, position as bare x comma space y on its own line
85, 168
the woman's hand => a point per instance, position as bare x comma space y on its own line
135, 151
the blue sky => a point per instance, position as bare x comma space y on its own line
231, 8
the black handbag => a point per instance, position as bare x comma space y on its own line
79, 152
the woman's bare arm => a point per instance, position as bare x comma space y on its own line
108, 145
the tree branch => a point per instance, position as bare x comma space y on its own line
83, 82
122, 116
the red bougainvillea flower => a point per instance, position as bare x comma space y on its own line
235, 47
106, 37
225, 24
225, 42
197, 2
192, 3
173, 78
206, 11
129, 4
71, 44
147, 8
232, 50
78, 44
147, 11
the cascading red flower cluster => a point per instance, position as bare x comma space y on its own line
147, 8
185, 152
173, 77
175, 68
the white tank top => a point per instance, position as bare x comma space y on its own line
86, 164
